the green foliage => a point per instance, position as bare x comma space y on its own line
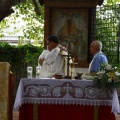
111, 2
107, 30
28, 22
33, 23
19, 57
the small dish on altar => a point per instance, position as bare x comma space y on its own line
79, 74
57, 76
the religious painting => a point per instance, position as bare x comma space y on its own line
71, 27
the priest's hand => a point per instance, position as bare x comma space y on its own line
62, 48
41, 60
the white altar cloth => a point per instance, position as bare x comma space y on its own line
64, 91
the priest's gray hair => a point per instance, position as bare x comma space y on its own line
98, 44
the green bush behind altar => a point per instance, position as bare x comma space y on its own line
19, 57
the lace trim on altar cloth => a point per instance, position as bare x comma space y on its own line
65, 92
63, 102
115, 103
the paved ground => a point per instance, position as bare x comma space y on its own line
118, 117
16, 114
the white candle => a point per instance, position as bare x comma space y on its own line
29, 72
37, 72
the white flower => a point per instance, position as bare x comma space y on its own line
108, 74
115, 67
101, 72
117, 74
109, 80
108, 67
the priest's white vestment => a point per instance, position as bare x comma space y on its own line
53, 64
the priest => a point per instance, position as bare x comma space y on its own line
52, 60
98, 58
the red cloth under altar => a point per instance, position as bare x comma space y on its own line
65, 112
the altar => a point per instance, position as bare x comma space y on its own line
63, 99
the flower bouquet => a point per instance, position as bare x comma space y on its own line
107, 77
